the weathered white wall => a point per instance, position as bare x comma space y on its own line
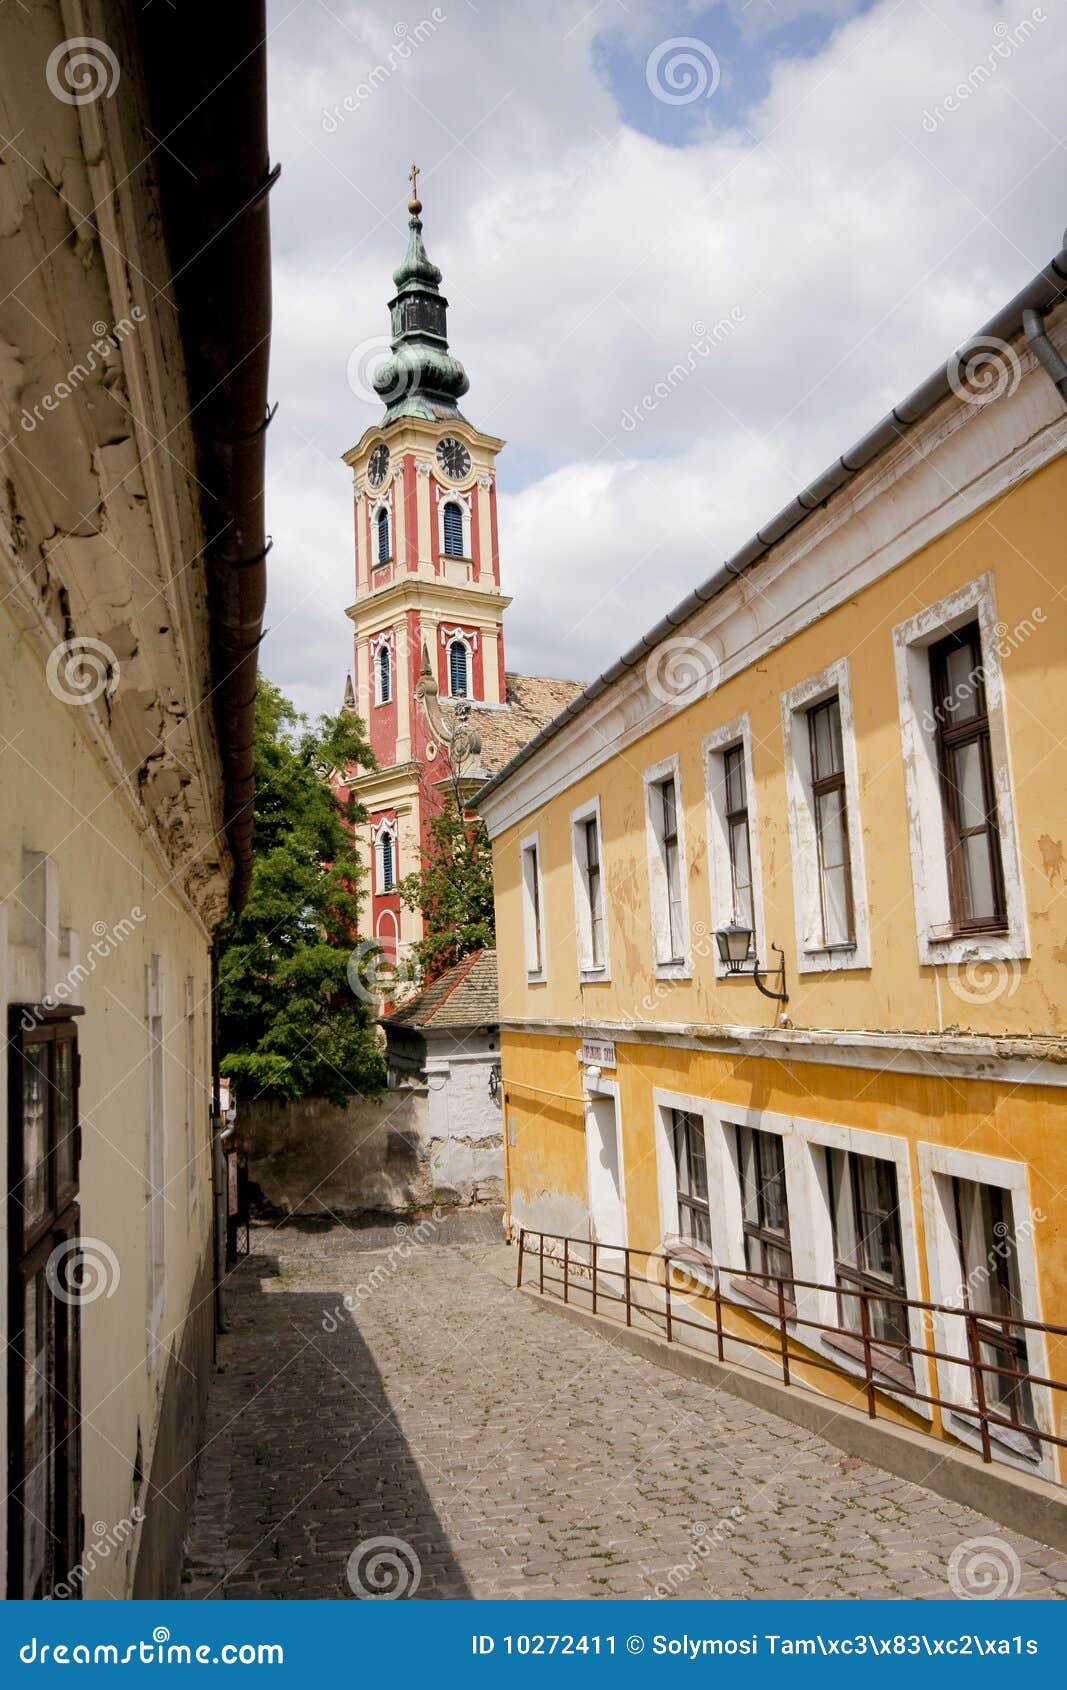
419, 1145
102, 871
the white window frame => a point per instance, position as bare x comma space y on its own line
819, 1136
720, 874
664, 1104
458, 638
813, 955
533, 908
926, 826
155, 1156
582, 924
382, 503
448, 496
383, 643
811, 1236
385, 826
666, 965
938, 1164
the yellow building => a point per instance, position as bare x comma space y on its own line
847, 744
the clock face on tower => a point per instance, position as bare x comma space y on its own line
379, 463
453, 457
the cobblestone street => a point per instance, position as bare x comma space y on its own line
517, 1455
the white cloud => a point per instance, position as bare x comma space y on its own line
578, 255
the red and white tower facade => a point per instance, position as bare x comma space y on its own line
427, 582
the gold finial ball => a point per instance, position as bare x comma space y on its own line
414, 206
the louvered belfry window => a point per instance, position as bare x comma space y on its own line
385, 675
383, 535
388, 863
453, 526
458, 678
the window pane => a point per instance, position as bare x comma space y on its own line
34, 1194
772, 1177
977, 854
734, 769
830, 816
670, 814
63, 1124
963, 685
827, 751
38, 1438
741, 873
968, 777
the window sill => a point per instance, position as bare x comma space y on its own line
678, 969
840, 949
766, 1301
536, 977
965, 935
593, 976
885, 1371
1015, 1446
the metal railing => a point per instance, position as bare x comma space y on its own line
889, 1365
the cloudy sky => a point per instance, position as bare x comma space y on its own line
805, 205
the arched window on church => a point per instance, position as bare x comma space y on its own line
458, 670
383, 534
453, 527
386, 861
385, 674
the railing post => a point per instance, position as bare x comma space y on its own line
626, 1281
667, 1292
594, 1276
718, 1314
782, 1333
566, 1268
542, 1280
522, 1240
975, 1349
868, 1370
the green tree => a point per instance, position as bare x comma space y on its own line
453, 889
291, 1025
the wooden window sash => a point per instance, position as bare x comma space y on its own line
823, 786
953, 736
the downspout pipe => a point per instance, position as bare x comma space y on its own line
1043, 349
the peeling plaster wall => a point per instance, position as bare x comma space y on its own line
439, 1142
111, 820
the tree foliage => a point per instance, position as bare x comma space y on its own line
453, 889
290, 1024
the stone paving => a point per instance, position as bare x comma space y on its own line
508, 1452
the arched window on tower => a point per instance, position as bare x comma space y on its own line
386, 861
382, 521
458, 670
453, 527
385, 674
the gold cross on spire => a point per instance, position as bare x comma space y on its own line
413, 177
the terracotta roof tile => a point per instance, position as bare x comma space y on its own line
466, 995
533, 700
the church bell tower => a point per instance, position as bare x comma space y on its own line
427, 573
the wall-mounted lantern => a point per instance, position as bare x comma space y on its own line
735, 950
